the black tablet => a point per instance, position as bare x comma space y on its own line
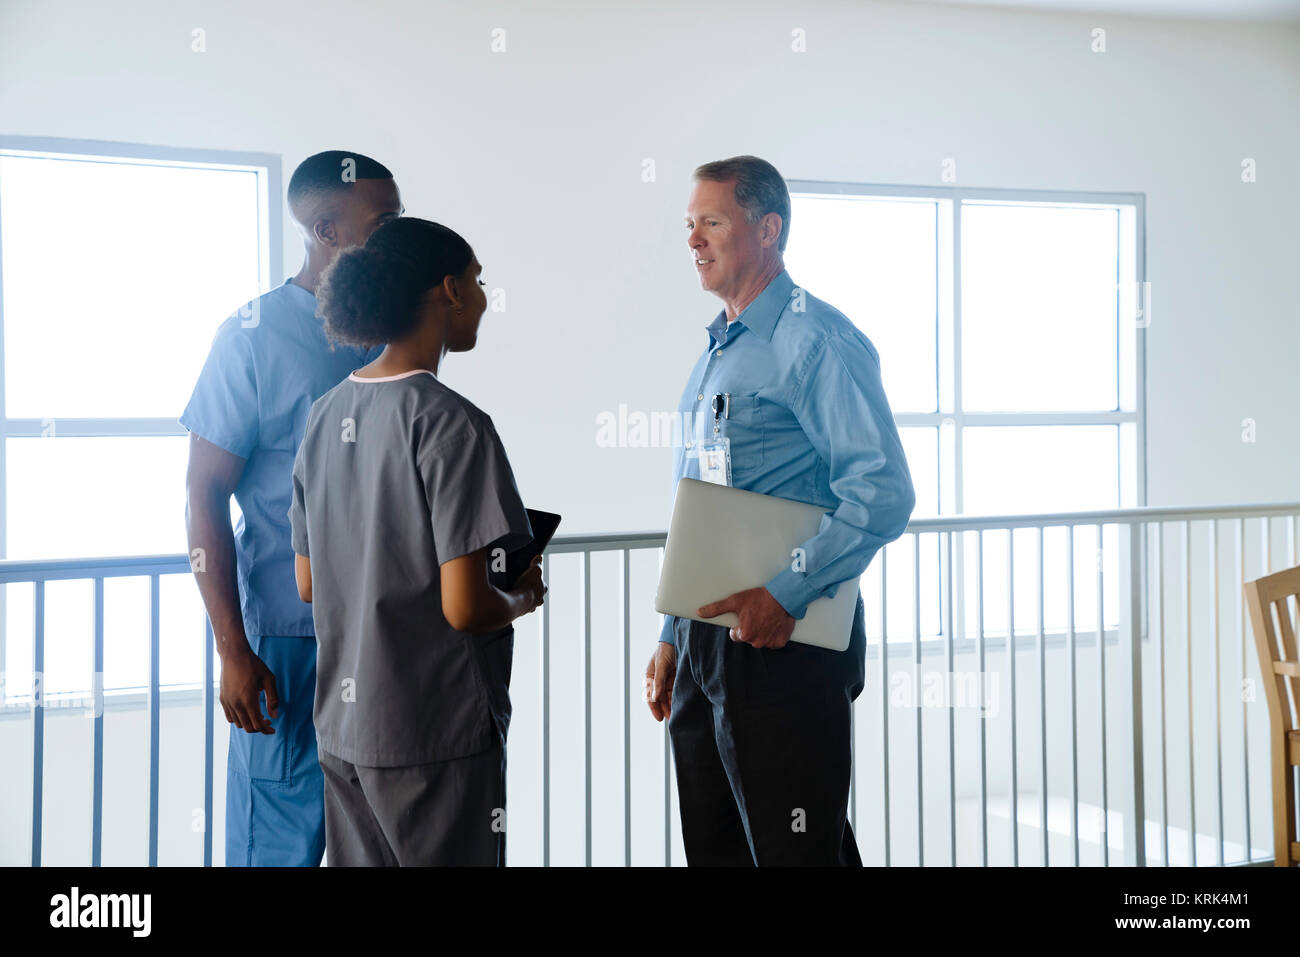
544, 525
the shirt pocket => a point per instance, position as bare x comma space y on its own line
744, 427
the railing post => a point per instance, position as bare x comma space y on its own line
884, 690
209, 734
1130, 583
155, 713
586, 702
544, 693
38, 718
97, 713
668, 771
625, 671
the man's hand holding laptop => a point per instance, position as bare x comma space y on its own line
763, 622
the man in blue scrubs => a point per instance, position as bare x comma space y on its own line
268, 363
760, 726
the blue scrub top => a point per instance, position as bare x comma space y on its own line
268, 363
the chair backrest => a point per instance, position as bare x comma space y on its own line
1275, 642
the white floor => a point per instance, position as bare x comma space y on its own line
1060, 836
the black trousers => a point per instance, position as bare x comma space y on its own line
761, 746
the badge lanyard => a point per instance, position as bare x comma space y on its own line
715, 453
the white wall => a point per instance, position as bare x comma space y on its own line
535, 155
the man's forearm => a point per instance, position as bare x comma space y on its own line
212, 556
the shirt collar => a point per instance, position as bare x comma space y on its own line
762, 314
304, 298
297, 290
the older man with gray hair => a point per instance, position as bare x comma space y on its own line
760, 726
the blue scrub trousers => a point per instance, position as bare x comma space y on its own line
275, 790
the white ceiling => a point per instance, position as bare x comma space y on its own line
1260, 10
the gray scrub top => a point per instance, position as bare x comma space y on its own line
394, 477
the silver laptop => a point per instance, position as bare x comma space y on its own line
723, 540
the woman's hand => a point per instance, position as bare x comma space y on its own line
530, 586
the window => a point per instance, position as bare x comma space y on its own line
117, 264
1007, 324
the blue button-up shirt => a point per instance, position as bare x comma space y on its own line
808, 421
268, 363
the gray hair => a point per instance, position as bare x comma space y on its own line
760, 189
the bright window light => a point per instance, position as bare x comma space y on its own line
122, 268
131, 267
1008, 363
874, 260
1039, 308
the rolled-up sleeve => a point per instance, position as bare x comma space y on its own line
666, 631
840, 404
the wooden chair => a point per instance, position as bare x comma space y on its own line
1280, 667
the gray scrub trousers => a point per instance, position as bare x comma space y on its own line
445, 812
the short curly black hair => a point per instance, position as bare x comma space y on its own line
369, 294
324, 173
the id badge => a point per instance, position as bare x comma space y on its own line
715, 460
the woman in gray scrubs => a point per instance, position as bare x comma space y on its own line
402, 500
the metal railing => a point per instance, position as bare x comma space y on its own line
39, 573
1141, 631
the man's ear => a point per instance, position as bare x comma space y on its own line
772, 225
325, 233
